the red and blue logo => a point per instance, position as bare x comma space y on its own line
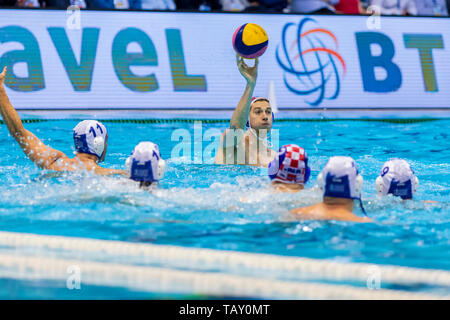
310, 61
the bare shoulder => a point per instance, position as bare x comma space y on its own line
304, 210
308, 213
59, 161
363, 220
64, 163
297, 210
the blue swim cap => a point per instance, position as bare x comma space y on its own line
90, 137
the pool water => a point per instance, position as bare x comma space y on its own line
232, 207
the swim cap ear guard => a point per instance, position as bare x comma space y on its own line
379, 185
307, 171
359, 181
415, 184
90, 137
99, 145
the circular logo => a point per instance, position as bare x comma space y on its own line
310, 61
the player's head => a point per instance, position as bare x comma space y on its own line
290, 165
91, 137
340, 179
397, 178
145, 164
261, 115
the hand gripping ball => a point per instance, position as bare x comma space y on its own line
250, 41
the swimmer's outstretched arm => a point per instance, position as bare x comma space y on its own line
110, 172
242, 111
42, 155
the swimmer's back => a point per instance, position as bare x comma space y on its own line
322, 211
63, 163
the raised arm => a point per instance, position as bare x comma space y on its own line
232, 136
39, 153
242, 111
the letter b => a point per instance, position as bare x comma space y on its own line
368, 62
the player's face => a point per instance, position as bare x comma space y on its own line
261, 115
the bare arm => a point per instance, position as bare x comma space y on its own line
231, 137
242, 111
109, 172
39, 153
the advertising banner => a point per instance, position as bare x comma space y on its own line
60, 59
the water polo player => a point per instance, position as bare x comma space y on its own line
397, 178
145, 164
245, 141
289, 170
341, 184
90, 138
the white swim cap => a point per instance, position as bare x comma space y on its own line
90, 137
145, 163
397, 178
340, 179
256, 99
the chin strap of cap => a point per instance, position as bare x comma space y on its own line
361, 206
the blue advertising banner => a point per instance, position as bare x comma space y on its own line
150, 60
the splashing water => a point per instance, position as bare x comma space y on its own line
232, 207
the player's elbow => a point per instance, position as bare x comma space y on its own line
235, 124
17, 130
20, 134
